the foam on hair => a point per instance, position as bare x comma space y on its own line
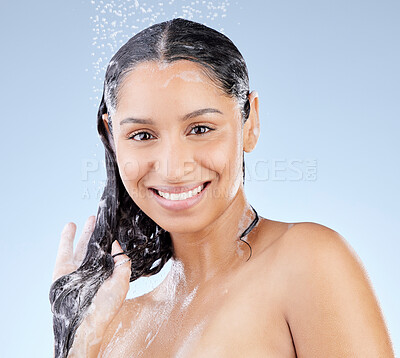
118, 217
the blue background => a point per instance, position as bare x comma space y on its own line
328, 77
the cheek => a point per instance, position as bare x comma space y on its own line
128, 166
131, 168
223, 156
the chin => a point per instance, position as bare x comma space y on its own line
181, 224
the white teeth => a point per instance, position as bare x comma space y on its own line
181, 196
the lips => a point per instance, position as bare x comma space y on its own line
179, 198
177, 189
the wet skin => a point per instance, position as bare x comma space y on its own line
303, 289
238, 313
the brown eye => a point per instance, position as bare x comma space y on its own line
200, 129
141, 136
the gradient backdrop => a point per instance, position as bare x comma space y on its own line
328, 77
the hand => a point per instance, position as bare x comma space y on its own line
110, 296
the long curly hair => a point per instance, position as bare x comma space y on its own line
118, 217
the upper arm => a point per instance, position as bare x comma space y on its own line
329, 302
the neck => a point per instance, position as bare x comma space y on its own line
216, 249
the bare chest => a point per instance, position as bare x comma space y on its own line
227, 320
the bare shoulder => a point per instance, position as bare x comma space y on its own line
326, 293
132, 309
294, 249
288, 238
126, 319
313, 243
310, 254
316, 251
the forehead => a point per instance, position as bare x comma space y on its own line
165, 72
178, 78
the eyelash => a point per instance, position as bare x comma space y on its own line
195, 126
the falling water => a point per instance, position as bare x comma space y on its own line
114, 22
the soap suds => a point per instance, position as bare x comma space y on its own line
189, 298
245, 221
187, 76
168, 288
190, 340
113, 23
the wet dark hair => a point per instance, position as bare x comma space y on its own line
119, 218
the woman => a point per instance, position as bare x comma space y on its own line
175, 119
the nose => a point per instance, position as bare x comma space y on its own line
176, 160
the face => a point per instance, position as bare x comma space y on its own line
179, 144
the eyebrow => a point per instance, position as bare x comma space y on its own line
193, 114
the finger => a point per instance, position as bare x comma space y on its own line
122, 271
65, 251
117, 253
115, 288
81, 247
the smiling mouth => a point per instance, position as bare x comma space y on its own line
183, 195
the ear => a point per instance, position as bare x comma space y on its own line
105, 120
251, 129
